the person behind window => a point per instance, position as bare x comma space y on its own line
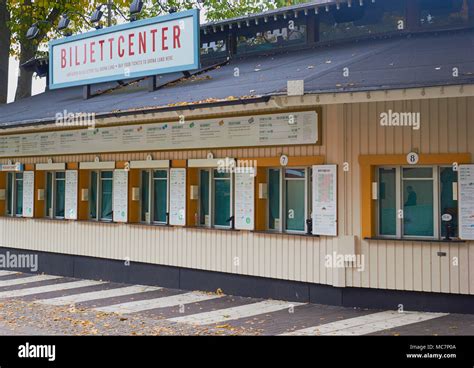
411, 200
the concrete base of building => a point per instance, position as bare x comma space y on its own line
84, 267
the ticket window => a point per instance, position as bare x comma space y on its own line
100, 195
413, 201
215, 198
154, 196
288, 199
55, 194
14, 194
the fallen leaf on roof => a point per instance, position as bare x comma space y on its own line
328, 61
310, 66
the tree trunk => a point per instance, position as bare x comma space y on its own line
25, 78
4, 50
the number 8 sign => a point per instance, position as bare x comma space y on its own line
413, 158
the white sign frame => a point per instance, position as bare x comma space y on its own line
70, 205
326, 211
120, 195
244, 187
466, 201
28, 194
177, 188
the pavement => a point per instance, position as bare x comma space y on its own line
55, 305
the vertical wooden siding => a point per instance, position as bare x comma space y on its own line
348, 131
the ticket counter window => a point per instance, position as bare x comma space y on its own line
417, 202
154, 196
55, 194
100, 195
288, 199
215, 198
14, 193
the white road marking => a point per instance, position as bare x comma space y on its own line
48, 288
27, 280
95, 295
6, 273
167, 301
368, 324
232, 313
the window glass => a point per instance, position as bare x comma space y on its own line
274, 199
381, 16
271, 36
106, 195
60, 193
160, 196
9, 194
204, 197
444, 13
448, 205
418, 208
295, 200
419, 172
93, 196
19, 194
145, 196
387, 202
221, 198
49, 194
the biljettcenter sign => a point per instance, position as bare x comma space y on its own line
152, 46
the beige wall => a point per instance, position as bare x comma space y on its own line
348, 131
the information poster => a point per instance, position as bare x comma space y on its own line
325, 200
71, 195
244, 199
178, 197
466, 202
243, 131
120, 195
28, 193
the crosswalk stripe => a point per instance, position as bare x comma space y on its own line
48, 288
27, 280
6, 273
228, 314
368, 323
167, 301
95, 295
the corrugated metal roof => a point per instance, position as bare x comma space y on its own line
416, 61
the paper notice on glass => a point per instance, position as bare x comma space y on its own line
28, 193
120, 195
178, 197
325, 200
244, 198
466, 202
70, 206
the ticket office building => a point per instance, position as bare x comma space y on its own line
392, 198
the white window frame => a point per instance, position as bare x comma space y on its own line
282, 212
13, 193
98, 217
53, 194
211, 204
151, 196
437, 223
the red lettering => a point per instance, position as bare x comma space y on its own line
76, 54
164, 38
130, 44
142, 42
92, 51
121, 51
85, 53
176, 36
153, 37
70, 56
63, 58
110, 46
101, 43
